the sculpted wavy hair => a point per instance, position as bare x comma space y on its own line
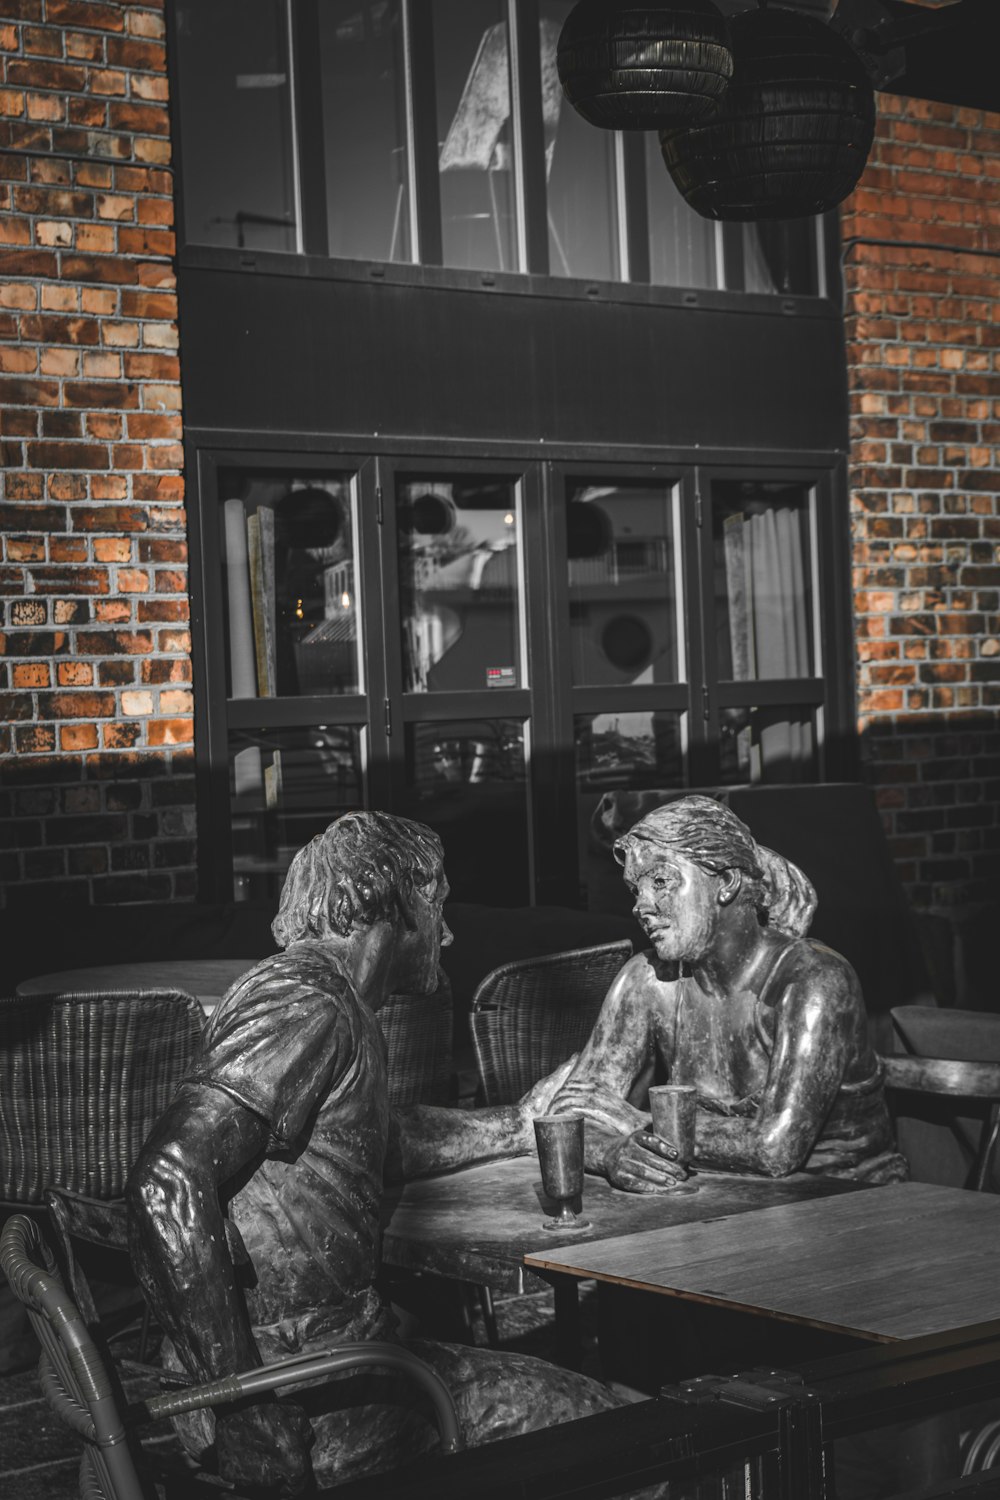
362, 869
711, 836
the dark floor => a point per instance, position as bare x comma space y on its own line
39, 1456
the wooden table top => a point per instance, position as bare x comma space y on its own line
477, 1224
207, 979
889, 1263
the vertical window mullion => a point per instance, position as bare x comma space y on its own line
423, 183
530, 187
307, 106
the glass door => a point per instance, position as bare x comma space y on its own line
458, 722
292, 657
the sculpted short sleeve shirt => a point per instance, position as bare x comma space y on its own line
292, 1042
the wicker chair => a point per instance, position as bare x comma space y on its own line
82, 1390
417, 1030
529, 1016
82, 1080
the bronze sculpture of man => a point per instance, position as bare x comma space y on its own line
283, 1126
732, 997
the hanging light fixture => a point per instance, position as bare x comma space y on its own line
626, 66
792, 132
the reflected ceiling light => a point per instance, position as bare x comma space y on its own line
508, 519
792, 132
627, 66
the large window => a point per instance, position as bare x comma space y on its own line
491, 645
435, 132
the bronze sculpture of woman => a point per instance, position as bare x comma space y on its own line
732, 997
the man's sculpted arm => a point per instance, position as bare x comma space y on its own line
424, 1139
634, 1022
177, 1239
814, 1030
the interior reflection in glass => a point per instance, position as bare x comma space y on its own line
472, 76
458, 584
291, 595
285, 786
466, 780
621, 585
640, 748
771, 745
763, 584
364, 129
234, 101
580, 172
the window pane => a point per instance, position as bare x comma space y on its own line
458, 580
622, 592
236, 124
364, 130
763, 580
628, 750
581, 173
770, 745
466, 780
292, 612
285, 786
682, 245
472, 77
780, 256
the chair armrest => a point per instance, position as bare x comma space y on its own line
937, 1075
312, 1367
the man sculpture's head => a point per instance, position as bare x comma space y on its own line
370, 867
690, 860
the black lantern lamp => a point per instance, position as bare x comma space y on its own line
626, 66
791, 134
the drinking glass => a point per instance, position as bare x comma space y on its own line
674, 1107
560, 1156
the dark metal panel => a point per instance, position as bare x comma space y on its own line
279, 353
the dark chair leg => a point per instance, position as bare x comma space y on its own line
489, 1315
984, 1157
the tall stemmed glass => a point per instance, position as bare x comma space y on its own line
560, 1156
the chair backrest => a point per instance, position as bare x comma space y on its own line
417, 1030
529, 1016
73, 1375
945, 1091
83, 1078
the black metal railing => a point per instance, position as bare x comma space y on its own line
760, 1434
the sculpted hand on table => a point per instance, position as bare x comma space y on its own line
284, 1124
769, 1026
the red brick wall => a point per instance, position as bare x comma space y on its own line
95, 674
923, 331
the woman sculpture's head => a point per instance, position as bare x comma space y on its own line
688, 859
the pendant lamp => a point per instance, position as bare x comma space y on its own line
792, 132
626, 66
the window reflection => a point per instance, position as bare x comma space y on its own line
769, 745
779, 255
234, 100
623, 603
285, 786
580, 171
466, 780
629, 750
682, 245
364, 129
292, 606
763, 580
472, 76
459, 588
